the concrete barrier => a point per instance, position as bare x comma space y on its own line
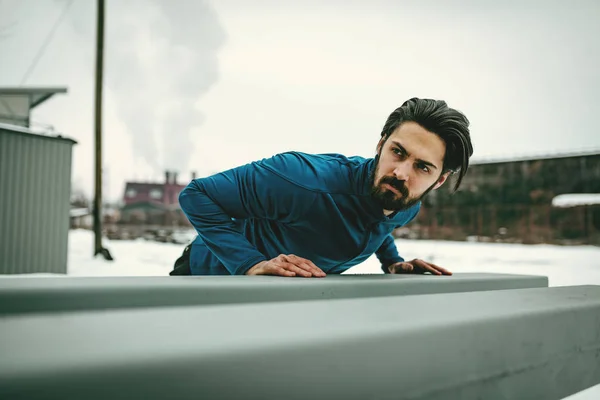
541, 343
71, 294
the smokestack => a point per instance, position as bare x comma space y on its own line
167, 177
175, 178
193, 175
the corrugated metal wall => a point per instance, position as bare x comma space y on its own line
35, 186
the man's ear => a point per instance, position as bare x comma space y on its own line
441, 180
380, 145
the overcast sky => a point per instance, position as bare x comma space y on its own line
206, 86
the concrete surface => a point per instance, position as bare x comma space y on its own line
71, 293
541, 343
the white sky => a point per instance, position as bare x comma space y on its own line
208, 86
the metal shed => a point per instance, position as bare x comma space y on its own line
35, 186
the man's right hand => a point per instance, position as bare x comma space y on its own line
287, 265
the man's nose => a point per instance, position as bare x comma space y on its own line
402, 171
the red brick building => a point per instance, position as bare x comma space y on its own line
153, 203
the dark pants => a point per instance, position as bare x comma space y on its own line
182, 264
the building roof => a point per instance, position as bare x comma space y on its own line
36, 95
79, 212
147, 186
576, 199
533, 157
143, 185
144, 205
21, 130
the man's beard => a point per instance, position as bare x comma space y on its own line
389, 200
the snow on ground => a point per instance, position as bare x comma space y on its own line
131, 257
573, 265
564, 266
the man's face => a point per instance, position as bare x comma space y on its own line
410, 166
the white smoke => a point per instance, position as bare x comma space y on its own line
162, 58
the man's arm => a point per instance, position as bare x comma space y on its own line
392, 263
388, 254
257, 190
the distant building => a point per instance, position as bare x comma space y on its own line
80, 218
153, 203
512, 200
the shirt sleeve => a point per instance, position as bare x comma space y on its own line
388, 253
261, 190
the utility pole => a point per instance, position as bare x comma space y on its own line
98, 134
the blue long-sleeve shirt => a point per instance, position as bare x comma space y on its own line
317, 207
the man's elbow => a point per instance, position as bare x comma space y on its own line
185, 197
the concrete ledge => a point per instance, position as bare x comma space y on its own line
513, 344
70, 294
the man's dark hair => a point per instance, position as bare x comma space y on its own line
450, 125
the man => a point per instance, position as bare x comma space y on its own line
308, 215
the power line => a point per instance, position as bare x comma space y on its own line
46, 42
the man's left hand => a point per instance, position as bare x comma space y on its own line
417, 266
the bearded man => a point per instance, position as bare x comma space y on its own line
308, 215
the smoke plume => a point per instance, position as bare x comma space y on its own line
161, 57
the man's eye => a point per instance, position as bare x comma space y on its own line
397, 151
423, 167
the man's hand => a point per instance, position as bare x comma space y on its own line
287, 265
417, 266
